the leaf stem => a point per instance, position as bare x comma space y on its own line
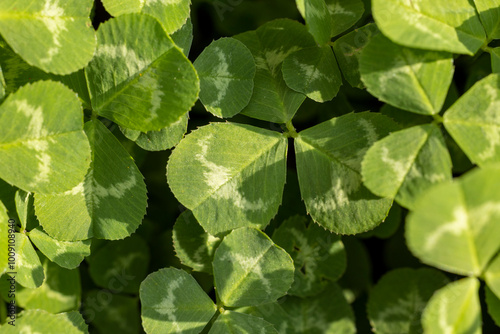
438, 119
291, 132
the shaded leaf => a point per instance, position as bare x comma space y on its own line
396, 302
329, 170
183, 37
348, 51
318, 19
327, 313
120, 265
492, 275
489, 12
493, 303
193, 246
318, 256
17, 73
345, 13
108, 204
270, 44
119, 313
495, 60
313, 72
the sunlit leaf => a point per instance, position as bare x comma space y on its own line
249, 269
229, 175
44, 149
172, 301
226, 69
139, 78
56, 36
431, 24
454, 225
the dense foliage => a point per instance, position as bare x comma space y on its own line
323, 166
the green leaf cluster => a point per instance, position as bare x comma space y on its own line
287, 152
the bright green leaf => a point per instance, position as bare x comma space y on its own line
492, 275
406, 163
249, 269
45, 323
67, 254
270, 44
326, 313
410, 79
139, 78
493, 303
345, 13
27, 264
193, 246
120, 265
226, 69
313, 72
489, 12
108, 204
398, 299
5, 230
56, 36
230, 175
318, 256
172, 14
440, 25
234, 322
172, 301
43, 148
454, 225
454, 309
161, 140
474, 122
348, 50
318, 19
59, 292
329, 159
